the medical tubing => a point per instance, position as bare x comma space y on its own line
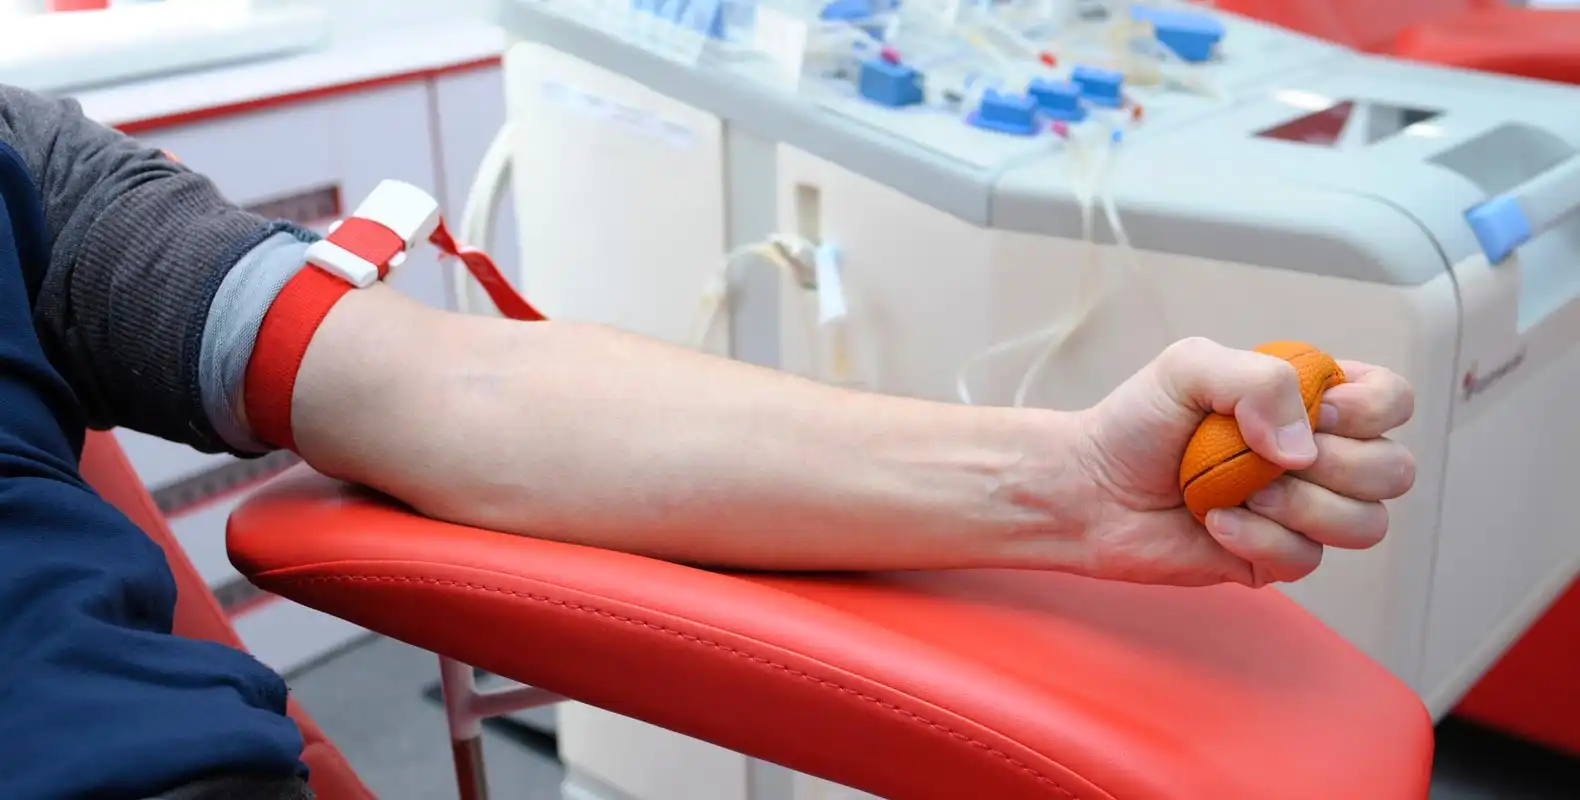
1055, 334
1127, 252
987, 18
1092, 283
1130, 264
715, 300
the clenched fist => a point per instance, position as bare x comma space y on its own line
1130, 446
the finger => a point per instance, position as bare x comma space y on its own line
1362, 469
1261, 392
1276, 553
1321, 515
1372, 402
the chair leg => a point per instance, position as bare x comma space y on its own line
469, 775
466, 728
466, 708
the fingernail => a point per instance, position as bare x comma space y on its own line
1226, 524
1327, 417
1267, 496
1295, 441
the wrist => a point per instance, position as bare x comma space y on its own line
1046, 491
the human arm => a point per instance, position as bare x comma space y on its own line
142, 252
581, 433
134, 250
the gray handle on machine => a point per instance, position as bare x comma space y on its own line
1524, 212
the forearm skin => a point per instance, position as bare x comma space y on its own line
584, 434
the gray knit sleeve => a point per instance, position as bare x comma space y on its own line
138, 247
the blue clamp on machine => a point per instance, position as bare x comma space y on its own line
1100, 87
1191, 35
1006, 113
1500, 226
1506, 221
893, 85
1057, 100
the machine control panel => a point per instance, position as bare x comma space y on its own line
985, 84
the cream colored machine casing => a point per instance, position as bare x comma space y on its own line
633, 175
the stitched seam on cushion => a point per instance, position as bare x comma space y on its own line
586, 609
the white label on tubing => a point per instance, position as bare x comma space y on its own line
782, 38
830, 291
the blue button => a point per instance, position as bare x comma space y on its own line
1500, 227
1191, 35
1006, 113
1060, 100
1100, 86
892, 85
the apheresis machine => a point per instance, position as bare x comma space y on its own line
1024, 201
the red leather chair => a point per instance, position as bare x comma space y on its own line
198, 614
1489, 35
926, 685
913, 686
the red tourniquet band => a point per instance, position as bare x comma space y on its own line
307, 298
283, 338
510, 303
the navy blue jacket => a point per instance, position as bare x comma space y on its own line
96, 697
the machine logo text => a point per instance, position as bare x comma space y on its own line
1475, 382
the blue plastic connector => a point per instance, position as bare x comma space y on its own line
1057, 100
893, 85
1500, 226
1191, 35
1100, 87
1006, 113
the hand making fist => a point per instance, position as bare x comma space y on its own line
1132, 442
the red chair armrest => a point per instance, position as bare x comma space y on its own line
1532, 43
925, 685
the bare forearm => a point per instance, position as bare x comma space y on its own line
585, 434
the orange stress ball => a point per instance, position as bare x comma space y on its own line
1219, 470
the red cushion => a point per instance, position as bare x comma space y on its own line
1362, 24
922, 685
1533, 43
1530, 691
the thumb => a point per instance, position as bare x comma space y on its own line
1261, 392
